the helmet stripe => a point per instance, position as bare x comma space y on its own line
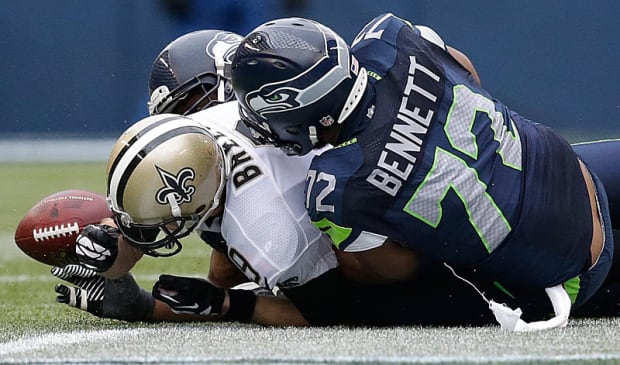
141, 155
137, 151
131, 142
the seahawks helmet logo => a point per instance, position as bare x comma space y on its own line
309, 86
265, 101
176, 185
223, 46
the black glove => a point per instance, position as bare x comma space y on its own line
189, 295
215, 240
97, 246
121, 298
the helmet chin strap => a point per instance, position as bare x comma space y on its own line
174, 206
314, 137
355, 95
219, 66
224, 171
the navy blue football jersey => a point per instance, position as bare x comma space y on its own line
434, 162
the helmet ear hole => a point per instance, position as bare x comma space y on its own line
200, 209
293, 130
280, 65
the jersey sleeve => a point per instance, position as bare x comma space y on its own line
335, 208
376, 43
268, 230
265, 226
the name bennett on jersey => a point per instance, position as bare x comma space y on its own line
408, 136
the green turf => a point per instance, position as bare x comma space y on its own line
36, 329
23, 185
27, 295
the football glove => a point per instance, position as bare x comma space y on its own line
120, 298
97, 247
189, 295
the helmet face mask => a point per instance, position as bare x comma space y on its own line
292, 78
199, 89
158, 239
261, 132
166, 175
196, 63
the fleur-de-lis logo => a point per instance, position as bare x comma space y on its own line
177, 185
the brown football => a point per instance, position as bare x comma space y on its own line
48, 231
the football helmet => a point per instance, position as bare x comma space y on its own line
196, 64
292, 77
165, 174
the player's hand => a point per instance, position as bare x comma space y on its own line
189, 295
87, 296
97, 247
121, 298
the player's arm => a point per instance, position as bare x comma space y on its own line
197, 299
461, 58
430, 35
277, 311
268, 311
222, 272
387, 263
103, 249
179, 300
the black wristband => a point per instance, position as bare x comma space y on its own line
125, 300
241, 305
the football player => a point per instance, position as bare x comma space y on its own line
263, 228
191, 74
419, 302
425, 159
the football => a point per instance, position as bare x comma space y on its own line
48, 231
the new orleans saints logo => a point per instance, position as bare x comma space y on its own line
176, 185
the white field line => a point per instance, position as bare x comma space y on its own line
36, 348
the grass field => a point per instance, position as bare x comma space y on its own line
36, 329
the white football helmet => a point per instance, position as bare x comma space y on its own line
166, 173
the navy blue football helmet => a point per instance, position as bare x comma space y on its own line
293, 77
196, 64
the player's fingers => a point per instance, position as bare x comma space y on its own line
164, 294
63, 293
75, 297
167, 280
180, 283
58, 272
72, 273
80, 271
169, 283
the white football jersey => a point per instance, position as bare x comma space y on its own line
265, 223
